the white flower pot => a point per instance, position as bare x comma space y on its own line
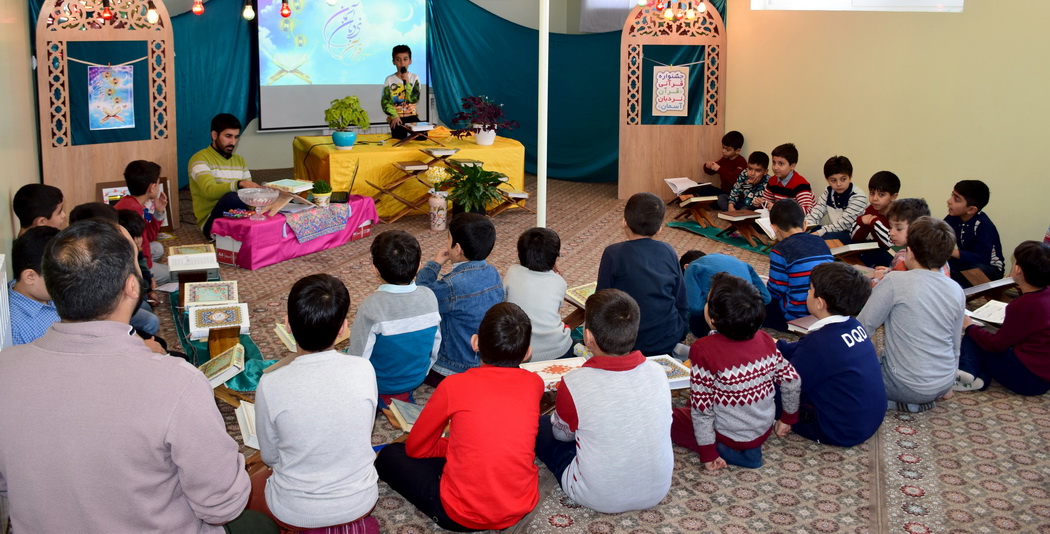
484, 137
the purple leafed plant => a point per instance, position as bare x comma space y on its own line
481, 113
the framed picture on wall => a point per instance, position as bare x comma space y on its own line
111, 192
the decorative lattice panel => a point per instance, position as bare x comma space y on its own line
649, 22
158, 77
87, 15
58, 100
711, 85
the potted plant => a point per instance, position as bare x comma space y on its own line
483, 117
473, 188
341, 116
322, 193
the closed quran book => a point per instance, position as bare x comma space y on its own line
211, 293
204, 318
854, 247
677, 374
462, 162
291, 186
578, 295
738, 215
552, 371
414, 165
802, 324
419, 126
198, 261
514, 193
989, 286
286, 337
439, 152
405, 413
224, 366
191, 249
696, 200
245, 413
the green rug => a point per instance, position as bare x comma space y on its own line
712, 233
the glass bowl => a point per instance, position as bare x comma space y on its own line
258, 198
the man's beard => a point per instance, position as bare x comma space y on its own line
224, 150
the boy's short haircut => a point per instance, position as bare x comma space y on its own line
32, 201
644, 214
1033, 258
908, 209
401, 49
735, 306
504, 335
759, 158
733, 139
538, 249
132, 221
612, 316
787, 214
317, 307
689, 257
786, 151
139, 175
885, 182
93, 210
395, 254
474, 233
931, 242
975, 192
223, 122
844, 289
838, 165
28, 250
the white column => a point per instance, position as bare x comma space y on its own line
541, 122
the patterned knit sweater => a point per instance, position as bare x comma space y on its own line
795, 187
790, 263
839, 219
732, 398
877, 230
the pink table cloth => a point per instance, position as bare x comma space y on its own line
271, 241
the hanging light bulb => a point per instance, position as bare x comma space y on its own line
198, 7
151, 13
669, 14
701, 7
642, 3
249, 11
285, 10
680, 14
107, 14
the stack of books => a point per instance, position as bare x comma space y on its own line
190, 258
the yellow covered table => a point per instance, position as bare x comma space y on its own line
317, 158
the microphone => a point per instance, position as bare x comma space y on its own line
403, 70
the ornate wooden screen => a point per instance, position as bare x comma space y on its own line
75, 169
651, 152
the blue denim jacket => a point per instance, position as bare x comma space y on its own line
463, 295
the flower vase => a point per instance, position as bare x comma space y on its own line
344, 140
322, 200
483, 136
438, 210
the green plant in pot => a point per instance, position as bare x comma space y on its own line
474, 188
322, 192
344, 114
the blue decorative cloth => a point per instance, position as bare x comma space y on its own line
313, 223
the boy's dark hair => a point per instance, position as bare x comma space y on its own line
908, 209
474, 233
644, 214
787, 214
401, 49
1033, 258
735, 306
139, 175
931, 242
85, 268
538, 249
93, 210
689, 257
759, 158
733, 139
788, 152
975, 192
317, 307
504, 335
28, 250
225, 121
35, 200
132, 221
396, 253
838, 165
612, 317
843, 287
886, 182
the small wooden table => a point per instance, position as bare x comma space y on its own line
743, 221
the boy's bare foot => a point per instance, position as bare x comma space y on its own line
947, 396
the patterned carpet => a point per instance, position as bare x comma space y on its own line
977, 463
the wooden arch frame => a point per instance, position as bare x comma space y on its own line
651, 152
76, 169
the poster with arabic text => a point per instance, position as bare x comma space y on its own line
670, 91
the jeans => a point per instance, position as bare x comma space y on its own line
554, 453
144, 320
749, 458
418, 480
229, 201
1003, 367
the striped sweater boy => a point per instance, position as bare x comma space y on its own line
795, 187
790, 262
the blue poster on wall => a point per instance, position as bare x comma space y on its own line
111, 93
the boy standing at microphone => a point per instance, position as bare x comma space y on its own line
401, 93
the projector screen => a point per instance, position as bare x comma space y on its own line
328, 49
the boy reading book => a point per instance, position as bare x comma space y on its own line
843, 399
609, 440
731, 164
146, 197
790, 262
698, 277
396, 328
39, 205
314, 413
1018, 354
32, 311
840, 201
786, 183
536, 286
750, 186
976, 238
483, 475
732, 404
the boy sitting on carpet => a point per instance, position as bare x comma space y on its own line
790, 262
32, 311
483, 475
609, 440
873, 225
314, 413
146, 197
39, 205
750, 186
840, 201
732, 404
786, 183
396, 328
536, 286
843, 398
977, 239
731, 164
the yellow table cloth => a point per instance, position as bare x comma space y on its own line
317, 158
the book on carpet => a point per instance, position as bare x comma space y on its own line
680, 185
291, 186
551, 371
696, 200
578, 295
245, 413
439, 152
988, 286
801, 325
204, 318
211, 293
993, 312
739, 215
677, 374
854, 247
224, 366
405, 413
419, 126
414, 165
465, 162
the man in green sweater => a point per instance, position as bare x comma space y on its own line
216, 173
